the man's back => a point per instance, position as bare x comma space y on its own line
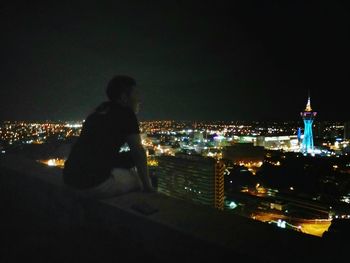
96, 151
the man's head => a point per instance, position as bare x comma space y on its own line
121, 89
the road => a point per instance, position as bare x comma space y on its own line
314, 227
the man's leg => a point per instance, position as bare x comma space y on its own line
120, 182
126, 180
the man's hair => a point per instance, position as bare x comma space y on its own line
118, 85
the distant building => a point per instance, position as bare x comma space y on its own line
320, 129
299, 135
198, 136
347, 130
194, 178
289, 142
243, 152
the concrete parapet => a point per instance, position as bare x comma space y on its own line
73, 227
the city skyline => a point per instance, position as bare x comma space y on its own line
226, 166
225, 61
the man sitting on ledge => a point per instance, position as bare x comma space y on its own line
95, 165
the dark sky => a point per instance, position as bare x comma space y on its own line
193, 61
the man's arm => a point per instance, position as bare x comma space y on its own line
139, 156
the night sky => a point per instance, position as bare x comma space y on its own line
192, 61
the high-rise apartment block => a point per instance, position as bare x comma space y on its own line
195, 178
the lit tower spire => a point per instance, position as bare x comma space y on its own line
308, 105
308, 116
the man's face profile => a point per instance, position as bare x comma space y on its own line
134, 100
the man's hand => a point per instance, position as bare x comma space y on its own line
139, 156
147, 186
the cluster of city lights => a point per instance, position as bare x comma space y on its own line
53, 162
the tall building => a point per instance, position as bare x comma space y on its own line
308, 116
194, 178
299, 135
347, 130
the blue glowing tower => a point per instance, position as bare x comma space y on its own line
308, 116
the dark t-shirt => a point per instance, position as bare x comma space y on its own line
96, 151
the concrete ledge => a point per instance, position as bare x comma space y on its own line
178, 231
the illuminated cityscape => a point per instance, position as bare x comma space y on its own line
16, 133
244, 162
265, 177
205, 138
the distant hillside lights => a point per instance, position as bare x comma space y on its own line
75, 125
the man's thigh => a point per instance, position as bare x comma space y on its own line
126, 180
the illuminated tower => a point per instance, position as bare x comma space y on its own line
308, 116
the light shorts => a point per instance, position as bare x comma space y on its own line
120, 182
